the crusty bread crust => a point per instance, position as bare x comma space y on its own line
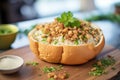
70, 55
80, 54
33, 43
50, 53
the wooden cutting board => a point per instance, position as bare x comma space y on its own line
79, 72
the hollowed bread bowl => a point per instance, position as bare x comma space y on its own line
66, 54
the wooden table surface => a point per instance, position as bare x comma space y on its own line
78, 72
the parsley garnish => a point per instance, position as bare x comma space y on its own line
49, 69
55, 42
44, 39
60, 67
32, 63
63, 39
68, 20
99, 68
76, 42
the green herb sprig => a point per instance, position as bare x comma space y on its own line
68, 20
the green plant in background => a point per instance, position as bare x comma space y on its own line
117, 4
26, 31
111, 17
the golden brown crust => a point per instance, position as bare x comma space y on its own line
33, 43
80, 54
76, 54
50, 53
71, 55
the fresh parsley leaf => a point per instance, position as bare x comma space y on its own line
68, 20
55, 42
44, 40
76, 42
48, 69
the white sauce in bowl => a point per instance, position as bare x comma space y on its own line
10, 62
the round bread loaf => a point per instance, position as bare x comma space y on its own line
71, 50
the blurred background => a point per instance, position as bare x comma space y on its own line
12, 11
26, 13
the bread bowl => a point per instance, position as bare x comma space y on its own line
55, 43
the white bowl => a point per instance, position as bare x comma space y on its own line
10, 64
